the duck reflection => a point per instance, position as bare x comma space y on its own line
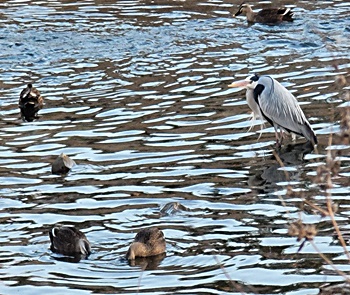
30, 102
270, 174
71, 259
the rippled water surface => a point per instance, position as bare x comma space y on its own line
136, 94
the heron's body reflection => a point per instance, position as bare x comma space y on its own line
291, 155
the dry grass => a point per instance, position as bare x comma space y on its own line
324, 179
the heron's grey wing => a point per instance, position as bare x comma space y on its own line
282, 108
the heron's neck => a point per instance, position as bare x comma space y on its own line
252, 103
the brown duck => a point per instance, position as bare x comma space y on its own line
30, 102
266, 15
62, 164
148, 242
68, 240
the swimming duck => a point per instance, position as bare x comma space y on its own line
68, 240
148, 242
266, 15
30, 96
62, 164
30, 102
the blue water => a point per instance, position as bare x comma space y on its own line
136, 94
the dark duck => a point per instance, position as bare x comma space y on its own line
30, 102
68, 240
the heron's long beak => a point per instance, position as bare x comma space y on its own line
237, 84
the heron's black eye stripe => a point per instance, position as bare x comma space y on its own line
254, 78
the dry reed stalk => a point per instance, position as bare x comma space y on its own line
235, 286
329, 262
329, 184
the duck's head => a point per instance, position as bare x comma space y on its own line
136, 249
243, 8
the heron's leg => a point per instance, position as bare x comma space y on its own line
278, 140
283, 134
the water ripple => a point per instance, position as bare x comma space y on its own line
136, 94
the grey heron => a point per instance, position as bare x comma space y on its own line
266, 15
271, 101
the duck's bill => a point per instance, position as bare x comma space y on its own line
238, 84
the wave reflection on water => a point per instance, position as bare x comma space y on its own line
136, 94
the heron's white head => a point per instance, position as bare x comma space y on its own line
249, 83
